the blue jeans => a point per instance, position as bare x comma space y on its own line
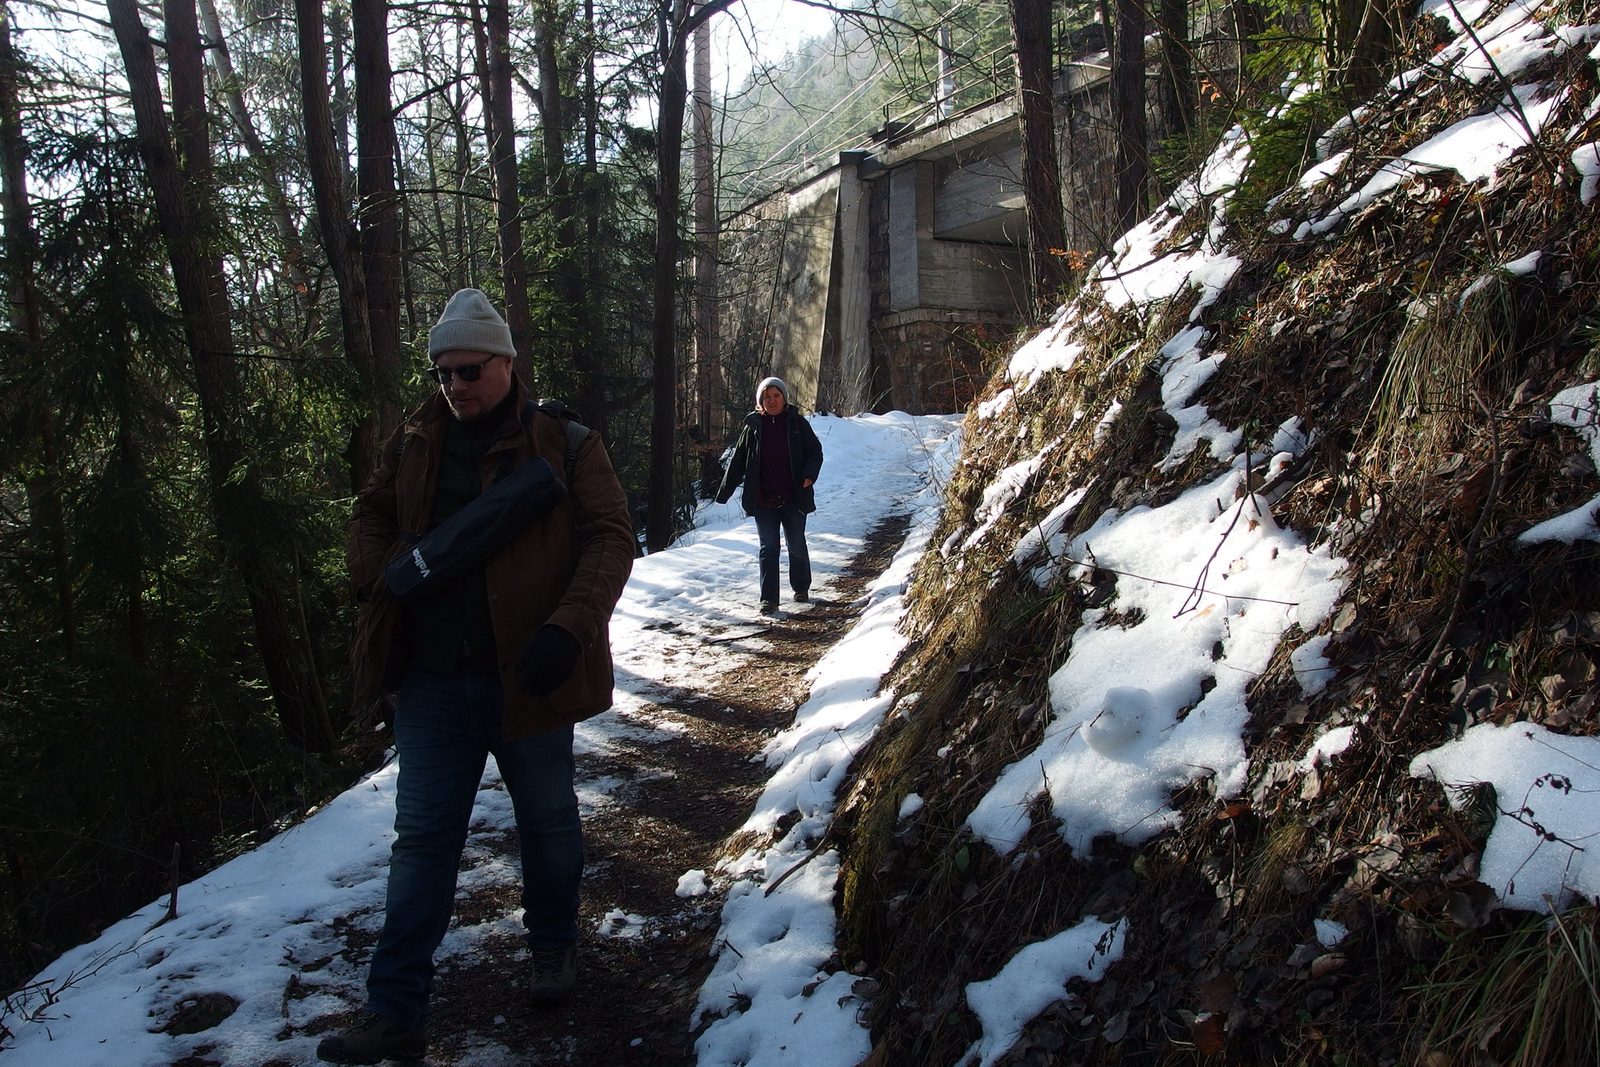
793, 522
445, 727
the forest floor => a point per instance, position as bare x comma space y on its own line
682, 799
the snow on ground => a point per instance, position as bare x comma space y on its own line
775, 938
1152, 695
246, 928
1110, 759
1032, 980
1578, 409
1547, 790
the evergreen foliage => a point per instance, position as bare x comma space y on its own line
138, 736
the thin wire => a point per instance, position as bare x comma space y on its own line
865, 84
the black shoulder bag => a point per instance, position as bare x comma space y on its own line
485, 524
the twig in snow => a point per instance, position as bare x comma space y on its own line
816, 850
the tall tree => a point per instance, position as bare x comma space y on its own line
501, 123
340, 243
1365, 36
707, 358
677, 21
597, 368
1177, 63
554, 128
21, 253
1127, 109
1041, 172
177, 159
266, 163
378, 209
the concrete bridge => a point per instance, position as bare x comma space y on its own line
889, 277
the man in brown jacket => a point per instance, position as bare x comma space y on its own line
503, 660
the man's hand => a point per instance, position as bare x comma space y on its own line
548, 660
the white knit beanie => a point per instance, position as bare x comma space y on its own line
784, 389
470, 324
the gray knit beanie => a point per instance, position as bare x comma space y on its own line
784, 389
471, 324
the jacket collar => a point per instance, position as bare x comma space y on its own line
428, 419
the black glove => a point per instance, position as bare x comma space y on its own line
548, 660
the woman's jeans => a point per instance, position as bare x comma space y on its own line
793, 522
444, 728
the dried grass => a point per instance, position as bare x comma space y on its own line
1312, 330
1526, 997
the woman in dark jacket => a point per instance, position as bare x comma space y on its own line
778, 457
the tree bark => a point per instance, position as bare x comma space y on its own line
265, 162
1178, 66
185, 206
340, 242
1127, 107
377, 210
1366, 35
1247, 23
508, 202
707, 358
1041, 172
677, 23
572, 331
22, 251
659, 515
597, 368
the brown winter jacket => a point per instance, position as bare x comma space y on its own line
567, 569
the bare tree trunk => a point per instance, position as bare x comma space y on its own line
21, 251
597, 367
1247, 23
339, 44
1041, 173
377, 211
266, 164
664, 323
576, 332
470, 270
707, 358
1366, 38
677, 23
185, 206
1127, 107
433, 133
339, 241
1178, 66
508, 204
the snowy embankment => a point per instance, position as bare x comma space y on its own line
1151, 697
256, 952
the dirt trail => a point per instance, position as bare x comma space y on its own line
681, 798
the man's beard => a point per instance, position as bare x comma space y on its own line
488, 415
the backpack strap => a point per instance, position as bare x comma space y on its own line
577, 432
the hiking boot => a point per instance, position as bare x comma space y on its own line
553, 975
373, 1039
802, 596
769, 607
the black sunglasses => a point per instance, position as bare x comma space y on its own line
468, 372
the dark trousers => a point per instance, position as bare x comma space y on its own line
793, 523
445, 727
